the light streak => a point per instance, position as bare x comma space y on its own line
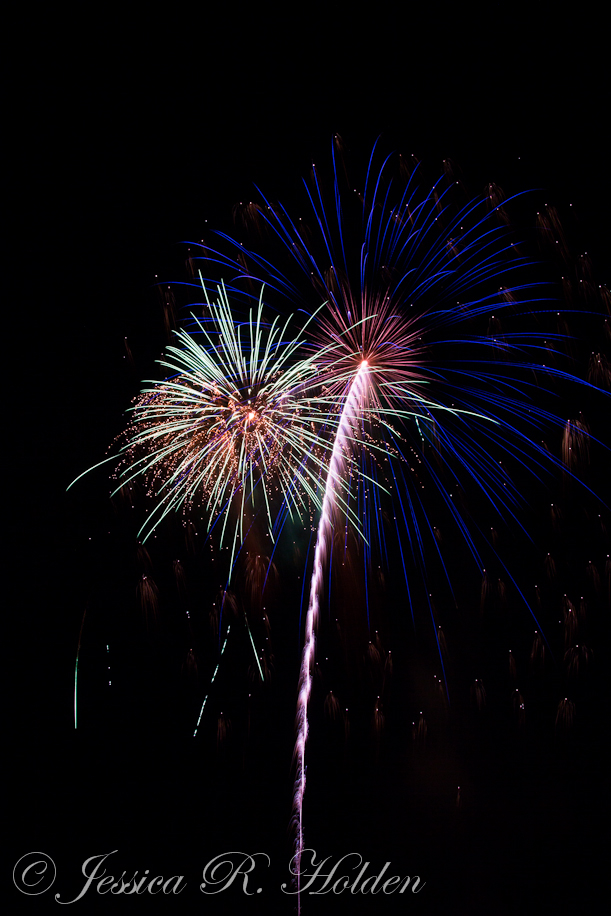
349, 418
78, 649
214, 674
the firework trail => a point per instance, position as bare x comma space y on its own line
214, 674
346, 431
78, 649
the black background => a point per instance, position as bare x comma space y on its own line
128, 133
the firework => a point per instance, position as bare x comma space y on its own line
235, 430
439, 362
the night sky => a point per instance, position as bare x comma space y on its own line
129, 137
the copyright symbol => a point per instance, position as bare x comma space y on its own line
34, 873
